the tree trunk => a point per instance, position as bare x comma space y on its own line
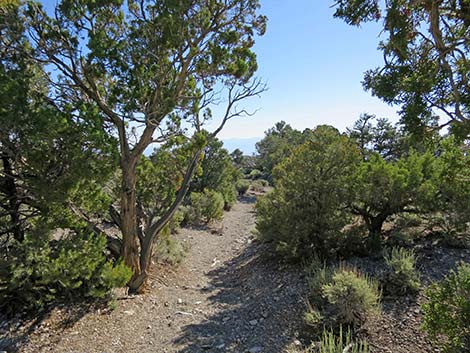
130, 240
139, 282
374, 225
13, 201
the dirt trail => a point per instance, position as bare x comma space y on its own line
228, 295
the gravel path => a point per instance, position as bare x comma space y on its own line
228, 295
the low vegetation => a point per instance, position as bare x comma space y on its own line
37, 273
332, 343
447, 313
402, 277
341, 297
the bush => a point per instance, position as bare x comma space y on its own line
169, 250
217, 173
206, 206
255, 174
330, 343
402, 277
352, 294
447, 313
176, 221
38, 272
341, 296
242, 187
258, 186
305, 213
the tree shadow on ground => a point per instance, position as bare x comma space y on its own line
259, 302
16, 331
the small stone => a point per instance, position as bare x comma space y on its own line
297, 343
197, 303
276, 299
253, 322
255, 350
225, 319
220, 346
129, 312
149, 327
180, 301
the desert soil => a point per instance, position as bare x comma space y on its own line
230, 294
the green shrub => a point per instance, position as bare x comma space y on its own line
258, 186
305, 213
242, 187
352, 295
402, 277
206, 206
447, 313
217, 173
38, 272
331, 343
341, 297
169, 250
176, 221
255, 174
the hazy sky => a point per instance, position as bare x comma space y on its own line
313, 65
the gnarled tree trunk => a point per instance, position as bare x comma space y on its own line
130, 241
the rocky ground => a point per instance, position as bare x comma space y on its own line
230, 294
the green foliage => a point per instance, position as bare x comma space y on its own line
218, 173
403, 277
447, 313
305, 213
259, 185
332, 343
382, 189
242, 187
205, 207
169, 250
352, 295
448, 195
160, 176
341, 296
237, 157
148, 71
37, 272
279, 142
425, 68
255, 174
50, 156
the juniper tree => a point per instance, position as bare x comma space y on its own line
426, 52
151, 69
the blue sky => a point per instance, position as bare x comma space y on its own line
313, 65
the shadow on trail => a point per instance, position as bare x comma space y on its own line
16, 332
247, 199
259, 306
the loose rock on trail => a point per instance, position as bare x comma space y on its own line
228, 295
